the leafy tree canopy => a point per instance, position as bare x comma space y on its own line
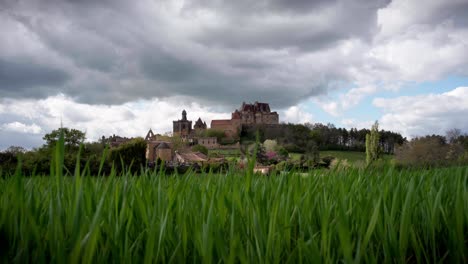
200, 148
73, 137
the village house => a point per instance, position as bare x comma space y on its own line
208, 142
157, 149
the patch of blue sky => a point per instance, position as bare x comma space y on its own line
429, 87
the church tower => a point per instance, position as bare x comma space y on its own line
182, 127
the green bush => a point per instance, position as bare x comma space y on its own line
132, 152
200, 148
327, 160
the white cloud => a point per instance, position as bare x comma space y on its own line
281, 52
401, 14
295, 114
423, 53
415, 43
359, 124
331, 107
21, 128
131, 119
345, 100
425, 114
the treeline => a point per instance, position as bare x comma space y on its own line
94, 157
296, 137
434, 151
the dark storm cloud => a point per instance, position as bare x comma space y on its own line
308, 25
246, 7
18, 76
212, 83
455, 11
113, 52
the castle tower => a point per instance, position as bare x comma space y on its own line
182, 127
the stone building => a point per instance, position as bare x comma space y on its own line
208, 142
199, 125
248, 114
115, 141
182, 127
158, 149
257, 114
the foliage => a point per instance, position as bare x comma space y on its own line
218, 134
312, 153
294, 137
258, 150
283, 152
38, 161
73, 137
200, 148
177, 142
270, 145
372, 144
327, 160
15, 150
429, 151
340, 165
132, 152
8, 161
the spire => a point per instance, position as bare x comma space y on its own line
184, 115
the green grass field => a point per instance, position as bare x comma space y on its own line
352, 215
342, 215
225, 152
351, 156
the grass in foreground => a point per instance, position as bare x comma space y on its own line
352, 216
349, 215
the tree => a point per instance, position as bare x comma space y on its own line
200, 148
73, 137
15, 150
283, 152
312, 152
259, 151
372, 144
131, 152
270, 145
453, 135
218, 134
426, 151
177, 142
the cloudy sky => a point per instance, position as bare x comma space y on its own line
121, 67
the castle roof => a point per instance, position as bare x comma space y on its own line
255, 107
163, 145
199, 122
191, 157
221, 122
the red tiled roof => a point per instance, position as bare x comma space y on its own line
221, 122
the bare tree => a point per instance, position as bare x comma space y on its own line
452, 135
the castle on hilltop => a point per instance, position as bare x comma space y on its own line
248, 114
